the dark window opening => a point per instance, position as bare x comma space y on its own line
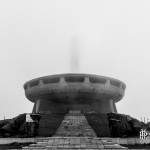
74, 79
97, 80
50, 80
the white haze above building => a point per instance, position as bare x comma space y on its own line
105, 37
74, 56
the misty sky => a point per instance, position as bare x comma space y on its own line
107, 37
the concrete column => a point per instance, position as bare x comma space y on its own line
113, 106
41, 83
28, 86
107, 84
86, 80
62, 81
37, 105
115, 109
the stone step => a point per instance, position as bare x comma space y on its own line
75, 143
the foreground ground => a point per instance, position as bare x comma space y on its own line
74, 133
72, 143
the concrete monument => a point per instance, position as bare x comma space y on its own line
86, 92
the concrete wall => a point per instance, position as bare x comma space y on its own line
100, 106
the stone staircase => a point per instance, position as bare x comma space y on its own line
74, 133
73, 143
75, 124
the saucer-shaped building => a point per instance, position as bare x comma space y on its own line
86, 92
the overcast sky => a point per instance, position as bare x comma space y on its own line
107, 37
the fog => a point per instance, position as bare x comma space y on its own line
74, 56
104, 37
